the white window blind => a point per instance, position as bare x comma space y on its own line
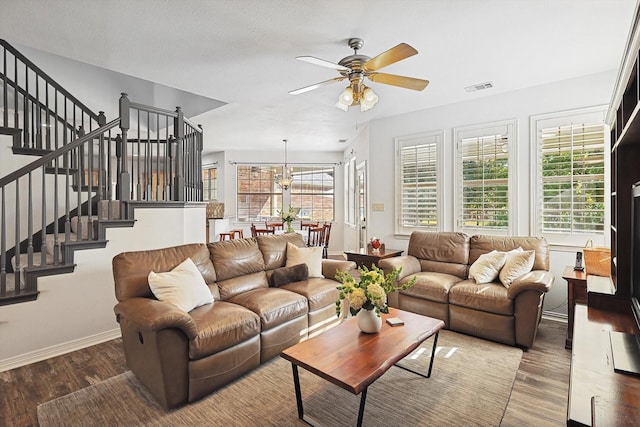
572, 179
418, 187
485, 182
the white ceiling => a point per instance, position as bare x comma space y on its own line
243, 53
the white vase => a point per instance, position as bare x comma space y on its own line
369, 321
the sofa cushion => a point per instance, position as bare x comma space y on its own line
487, 267
450, 247
311, 256
131, 269
489, 297
237, 257
482, 244
274, 306
283, 275
221, 326
237, 285
274, 248
517, 264
430, 286
183, 286
319, 292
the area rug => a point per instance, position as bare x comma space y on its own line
470, 385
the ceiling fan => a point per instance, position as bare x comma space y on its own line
356, 67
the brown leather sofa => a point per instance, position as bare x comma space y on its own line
180, 356
441, 261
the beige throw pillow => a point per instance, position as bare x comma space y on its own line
311, 256
183, 286
487, 267
519, 262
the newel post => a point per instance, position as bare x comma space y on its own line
123, 184
178, 130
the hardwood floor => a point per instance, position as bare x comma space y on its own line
538, 398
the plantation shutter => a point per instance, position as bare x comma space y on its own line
572, 179
418, 190
484, 199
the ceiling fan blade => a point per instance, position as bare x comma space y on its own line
400, 81
393, 55
315, 86
322, 62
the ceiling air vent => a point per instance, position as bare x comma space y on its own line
479, 86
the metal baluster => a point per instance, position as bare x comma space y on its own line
38, 115
90, 191
79, 181
165, 169
138, 175
55, 98
179, 179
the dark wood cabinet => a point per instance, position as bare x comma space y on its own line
596, 391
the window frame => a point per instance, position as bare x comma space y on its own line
274, 170
436, 138
589, 116
509, 128
214, 181
295, 175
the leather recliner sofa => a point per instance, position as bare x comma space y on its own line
182, 356
441, 262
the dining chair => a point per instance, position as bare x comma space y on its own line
274, 225
255, 232
307, 224
315, 236
327, 234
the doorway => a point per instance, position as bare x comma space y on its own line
361, 204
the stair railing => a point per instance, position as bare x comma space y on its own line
165, 168
48, 115
163, 154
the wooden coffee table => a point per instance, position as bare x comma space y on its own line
353, 360
367, 257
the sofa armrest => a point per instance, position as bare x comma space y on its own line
408, 263
331, 266
537, 280
155, 315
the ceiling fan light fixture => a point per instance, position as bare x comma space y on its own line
368, 99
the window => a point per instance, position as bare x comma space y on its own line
484, 155
312, 190
570, 184
259, 198
418, 203
209, 183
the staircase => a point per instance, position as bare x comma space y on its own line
88, 175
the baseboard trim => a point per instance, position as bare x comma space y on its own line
58, 349
557, 317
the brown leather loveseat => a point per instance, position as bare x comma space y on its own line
182, 356
441, 262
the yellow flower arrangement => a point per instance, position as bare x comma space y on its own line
370, 292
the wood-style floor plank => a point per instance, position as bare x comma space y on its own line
538, 398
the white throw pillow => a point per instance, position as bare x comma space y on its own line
311, 256
519, 262
183, 286
487, 267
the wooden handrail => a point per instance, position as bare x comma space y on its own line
48, 79
57, 153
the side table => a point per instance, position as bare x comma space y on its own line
577, 293
367, 257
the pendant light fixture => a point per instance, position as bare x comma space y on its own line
284, 180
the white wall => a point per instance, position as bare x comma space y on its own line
76, 310
560, 96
